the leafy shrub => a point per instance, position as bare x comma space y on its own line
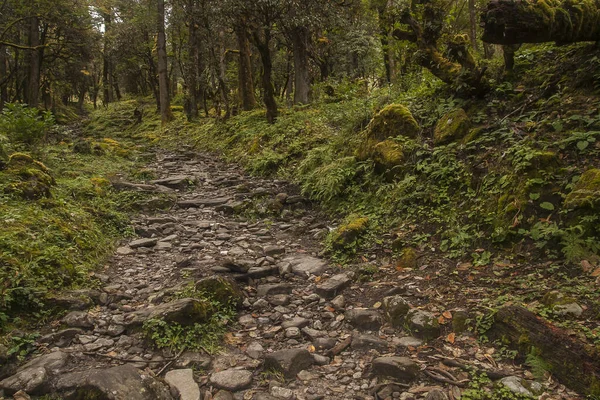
20, 123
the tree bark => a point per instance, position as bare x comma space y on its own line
245, 76
3, 77
262, 41
510, 22
473, 27
300, 38
163, 80
106, 67
33, 82
571, 361
191, 106
222, 72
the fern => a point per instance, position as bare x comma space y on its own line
538, 366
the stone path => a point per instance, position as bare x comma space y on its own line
302, 318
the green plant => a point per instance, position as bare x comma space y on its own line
24, 124
21, 346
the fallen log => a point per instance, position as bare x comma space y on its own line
572, 362
510, 22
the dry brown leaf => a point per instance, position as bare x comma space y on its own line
447, 314
441, 320
451, 337
596, 272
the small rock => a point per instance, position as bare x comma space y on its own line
223, 395
423, 324
255, 350
364, 319
333, 286
306, 266
125, 251
289, 362
402, 369
395, 309
183, 381
521, 386
78, 319
146, 242
339, 302
273, 289
282, 393
273, 251
367, 342
232, 379
436, 394
297, 322
182, 311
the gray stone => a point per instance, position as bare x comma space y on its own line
183, 381
402, 369
367, 342
280, 300
69, 301
521, 386
289, 362
61, 338
282, 393
232, 379
333, 286
274, 250
78, 319
193, 360
313, 333
364, 319
196, 203
175, 182
274, 288
35, 377
223, 395
182, 311
573, 309
255, 350
122, 382
297, 322
339, 302
146, 242
324, 343
408, 341
292, 333
305, 266
395, 309
423, 324
320, 360
125, 251
436, 394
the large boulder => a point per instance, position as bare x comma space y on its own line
223, 290
378, 144
26, 177
36, 376
586, 192
453, 126
122, 382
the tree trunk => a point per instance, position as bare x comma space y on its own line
33, 82
300, 38
3, 77
106, 70
245, 76
163, 80
222, 75
509, 22
571, 361
262, 41
509, 55
473, 27
191, 65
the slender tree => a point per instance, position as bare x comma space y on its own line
163, 78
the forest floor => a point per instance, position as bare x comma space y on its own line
306, 329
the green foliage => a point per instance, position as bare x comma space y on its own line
21, 346
21, 124
481, 388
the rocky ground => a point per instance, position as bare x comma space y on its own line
306, 329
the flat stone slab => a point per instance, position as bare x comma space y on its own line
402, 369
289, 362
232, 379
196, 203
333, 286
183, 381
272, 289
182, 311
307, 265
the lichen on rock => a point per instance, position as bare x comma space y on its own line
453, 126
586, 192
348, 233
26, 177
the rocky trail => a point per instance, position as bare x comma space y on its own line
306, 329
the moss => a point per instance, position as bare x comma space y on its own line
394, 120
586, 192
348, 233
221, 290
451, 127
473, 134
408, 258
27, 178
388, 154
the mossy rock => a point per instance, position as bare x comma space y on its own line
408, 259
27, 178
345, 235
474, 134
453, 126
586, 192
222, 290
393, 121
3, 157
388, 154
82, 146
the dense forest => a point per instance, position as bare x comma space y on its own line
283, 199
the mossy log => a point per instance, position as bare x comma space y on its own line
509, 22
571, 361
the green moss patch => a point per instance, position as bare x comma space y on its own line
586, 192
453, 126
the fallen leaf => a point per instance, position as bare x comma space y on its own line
447, 314
586, 265
451, 337
311, 349
318, 279
596, 272
441, 320
377, 305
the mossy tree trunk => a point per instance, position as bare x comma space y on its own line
422, 25
510, 22
572, 362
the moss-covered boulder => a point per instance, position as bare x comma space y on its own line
345, 235
423, 324
586, 192
26, 177
220, 289
408, 259
377, 144
453, 126
562, 304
